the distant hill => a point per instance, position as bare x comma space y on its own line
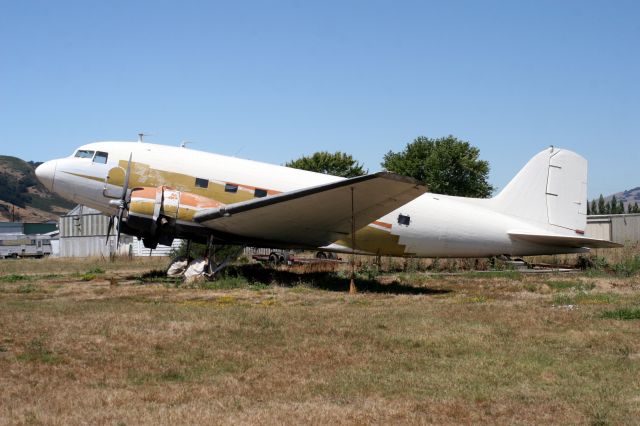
23, 197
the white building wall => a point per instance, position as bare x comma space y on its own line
140, 250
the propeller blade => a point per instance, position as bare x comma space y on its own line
127, 175
109, 227
123, 200
119, 226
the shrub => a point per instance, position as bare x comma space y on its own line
622, 314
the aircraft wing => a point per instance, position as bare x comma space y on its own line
562, 241
314, 216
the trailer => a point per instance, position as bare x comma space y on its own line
21, 245
285, 257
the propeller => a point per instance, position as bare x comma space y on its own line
121, 204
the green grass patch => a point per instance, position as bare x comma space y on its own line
258, 286
88, 277
36, 351
571, 285
473, 299
622, 314
14, 278
512, 275
225, 283
585, 299
27, 288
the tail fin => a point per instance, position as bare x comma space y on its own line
551, 189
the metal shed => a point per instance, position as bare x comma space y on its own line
83, 233
619, 228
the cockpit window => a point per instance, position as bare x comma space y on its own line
82, 153
101, 157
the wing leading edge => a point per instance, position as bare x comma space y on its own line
314, 216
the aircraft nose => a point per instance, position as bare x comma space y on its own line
45, 173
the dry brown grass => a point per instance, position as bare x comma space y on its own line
430, 350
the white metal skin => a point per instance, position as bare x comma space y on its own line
440, 226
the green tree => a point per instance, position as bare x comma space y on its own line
614, 205
602, 206
594, 207
337, 164
636, 208
446, 165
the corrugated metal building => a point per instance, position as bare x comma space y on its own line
619, 228
83, 233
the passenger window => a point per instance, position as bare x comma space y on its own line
229, 187
101, 157
404, 220
82, 153
260, 193
202, 183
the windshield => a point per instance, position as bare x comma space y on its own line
101, 157
81, 153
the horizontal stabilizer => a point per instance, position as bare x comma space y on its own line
314, 216
562, 240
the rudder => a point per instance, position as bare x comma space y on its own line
551, 189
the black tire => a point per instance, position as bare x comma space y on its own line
274, 259
321, 255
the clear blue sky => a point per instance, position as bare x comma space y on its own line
272, 80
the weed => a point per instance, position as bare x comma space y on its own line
258, 286
571, 285
508, 274
95, 271
224, 283
36, 351
622, 314
596, 299
88, 277
562, 300
27, 288
368, 271
172, 375
474, 299
14, 278
226, 300
584, 299
628, 267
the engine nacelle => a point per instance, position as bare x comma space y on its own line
162, 213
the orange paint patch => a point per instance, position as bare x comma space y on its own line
198, 201
383, 224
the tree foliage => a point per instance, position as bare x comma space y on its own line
336, 164
613, 206
446, 165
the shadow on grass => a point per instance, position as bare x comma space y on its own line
329, 281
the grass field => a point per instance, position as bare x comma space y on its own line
90, 342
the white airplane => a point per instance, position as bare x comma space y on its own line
159, 193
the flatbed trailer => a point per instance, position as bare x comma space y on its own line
288, 258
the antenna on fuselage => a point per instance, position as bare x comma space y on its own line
183, 144
140, 136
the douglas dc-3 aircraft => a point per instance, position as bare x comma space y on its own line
159, 193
